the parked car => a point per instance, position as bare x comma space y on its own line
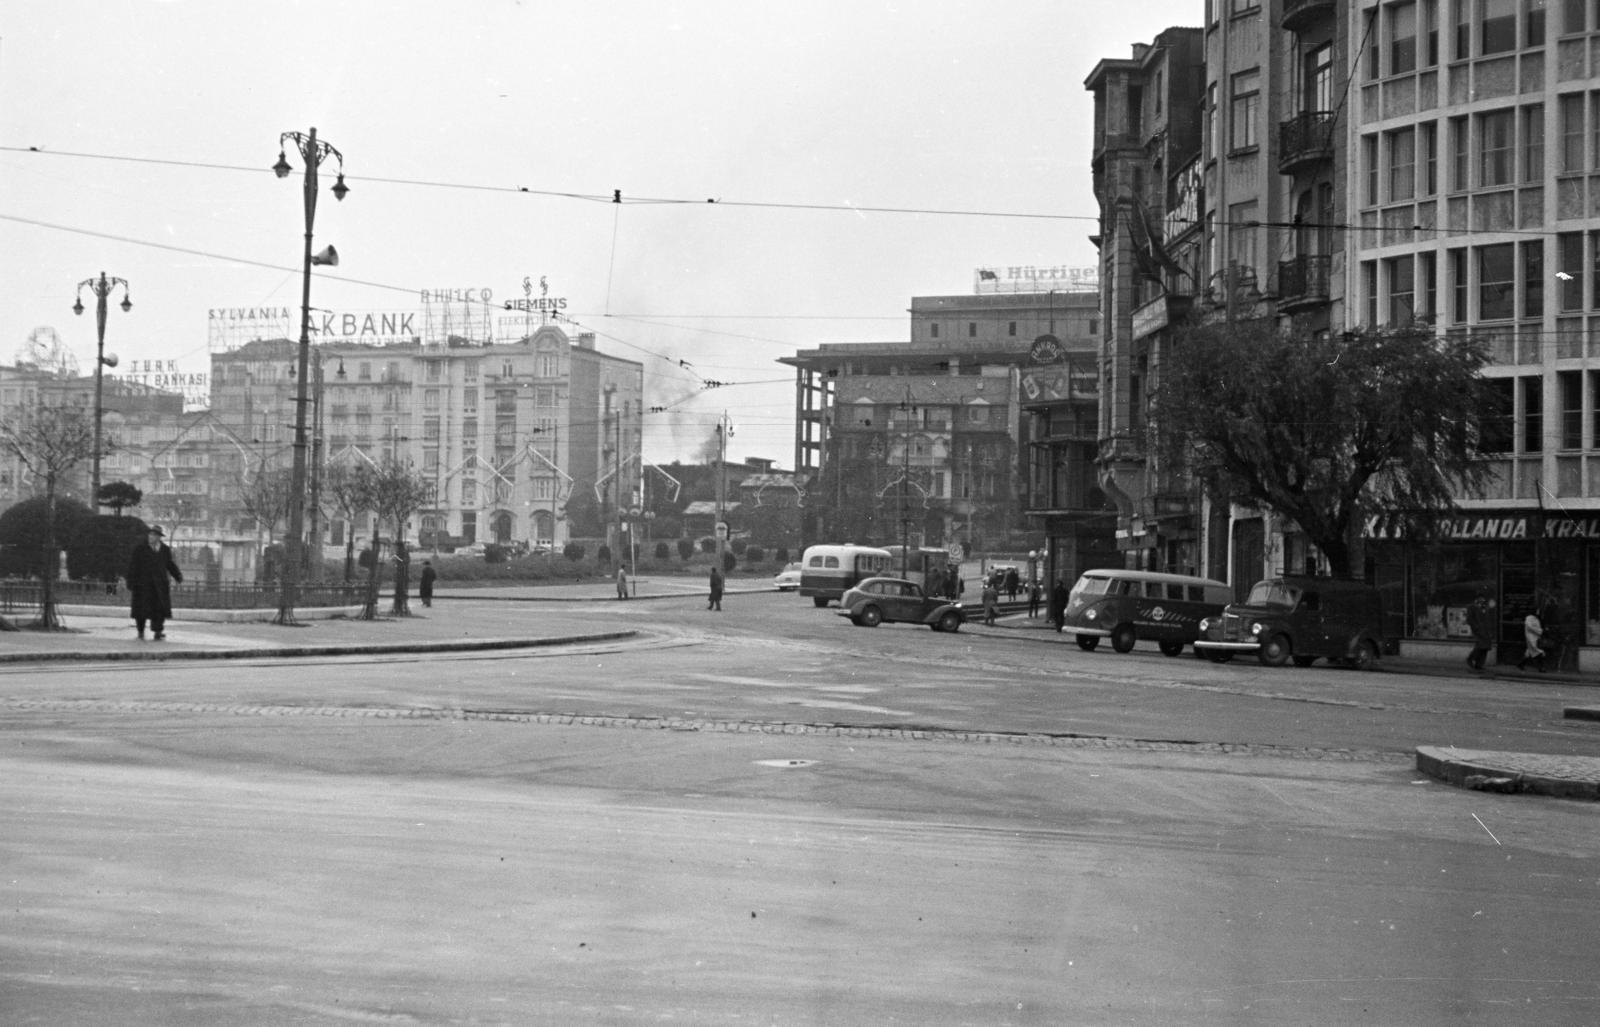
1127, 605
1299, 618
788, 579
477, 549
876, 600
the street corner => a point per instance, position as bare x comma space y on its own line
1512, 773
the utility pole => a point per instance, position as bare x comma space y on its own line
724, 429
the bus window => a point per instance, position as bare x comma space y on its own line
1197, 593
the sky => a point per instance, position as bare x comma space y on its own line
856, 154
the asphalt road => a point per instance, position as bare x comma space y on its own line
746, 829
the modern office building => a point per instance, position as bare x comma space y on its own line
925, 441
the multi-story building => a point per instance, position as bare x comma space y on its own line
925, 441
536, 440
1476, 189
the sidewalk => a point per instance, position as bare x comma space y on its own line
512, 617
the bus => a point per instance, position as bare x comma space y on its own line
826, 571
930, 568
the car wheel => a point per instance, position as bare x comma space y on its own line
1171, 648
1366, 655
1088, 643
1122, 638
1304, 661
870, 616
1276, 650
951, 622
819, 601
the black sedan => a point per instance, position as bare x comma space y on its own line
877, 600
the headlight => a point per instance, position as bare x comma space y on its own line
1255, 628
1090, 615
1205, 625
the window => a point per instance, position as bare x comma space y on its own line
1011, 328
1532, 414
1570, 386
1317, 86
1244, 6
430, 397
1242, 231
431, 370
1594, 406
1402, 291
1569, 262
1572, 16
1402, 164
972, 329
1497, 26
1462, 48
1571, 115
1369, 291
1428, 273
1460, 155
1533, 24
1594, 128
1496, 282
1499, 435
1594, 271
1402, 37
1369, 169
933, 330
1533, 143
1429, 131
1430, 33
1244, 110
1533, 279
1494, 132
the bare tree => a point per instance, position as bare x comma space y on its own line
344, 492
266, 497
394, 490
49, 441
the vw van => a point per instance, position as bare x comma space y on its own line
1300, 618
1127, 606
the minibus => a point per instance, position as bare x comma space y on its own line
1126, 606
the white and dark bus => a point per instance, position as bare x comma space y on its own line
826, 571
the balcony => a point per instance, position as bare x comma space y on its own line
1303, 282
1305, 139
1303, 14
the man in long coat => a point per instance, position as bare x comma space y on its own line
148, 569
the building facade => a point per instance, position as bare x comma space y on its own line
925, 442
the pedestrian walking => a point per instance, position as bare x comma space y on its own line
149, 566
1532, 637
1012, 583
622, 583
1480, 618
425, 582
1035, 594
716, 589
1058, 604
991, 601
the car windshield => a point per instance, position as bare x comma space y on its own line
1273, 593
1087, 586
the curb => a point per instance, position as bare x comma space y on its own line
1512, 773
297, 652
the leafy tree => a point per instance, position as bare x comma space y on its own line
49, 441
603, 554
98, 546
22, 538
663, 551
685, 548
1324, 430
573, 551
754, 554
729, 561
266, 497
119, 495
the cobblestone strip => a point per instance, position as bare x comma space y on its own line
934, 734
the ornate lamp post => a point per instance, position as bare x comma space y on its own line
101, 287
313, 153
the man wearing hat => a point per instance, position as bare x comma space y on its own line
148, 568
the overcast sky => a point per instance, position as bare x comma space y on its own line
157, 123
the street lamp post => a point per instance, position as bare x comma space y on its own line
101, 287
313, 153
315, 534
908, 410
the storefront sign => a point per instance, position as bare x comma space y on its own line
168, 377
1469, 528
1047, 349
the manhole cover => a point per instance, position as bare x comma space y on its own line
785, 764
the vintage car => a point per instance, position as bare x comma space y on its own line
877, 600
1126, 606
788, 579
1299, 618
